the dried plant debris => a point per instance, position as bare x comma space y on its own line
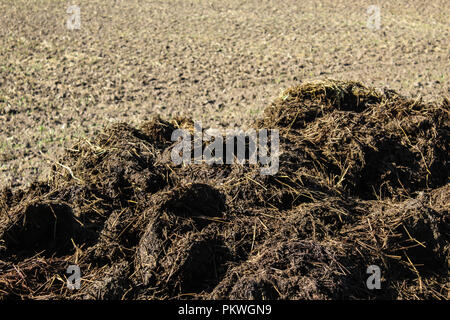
363, 180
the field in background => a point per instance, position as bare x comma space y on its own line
219, 61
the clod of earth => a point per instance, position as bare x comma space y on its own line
363, 180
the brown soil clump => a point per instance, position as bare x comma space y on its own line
363, 180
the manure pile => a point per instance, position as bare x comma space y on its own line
362, 180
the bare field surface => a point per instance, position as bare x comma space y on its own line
219, 61
360, 115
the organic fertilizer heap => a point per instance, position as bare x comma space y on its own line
362, 181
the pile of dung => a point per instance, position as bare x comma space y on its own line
362, 181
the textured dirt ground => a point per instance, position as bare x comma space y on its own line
220, 61
362, 181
